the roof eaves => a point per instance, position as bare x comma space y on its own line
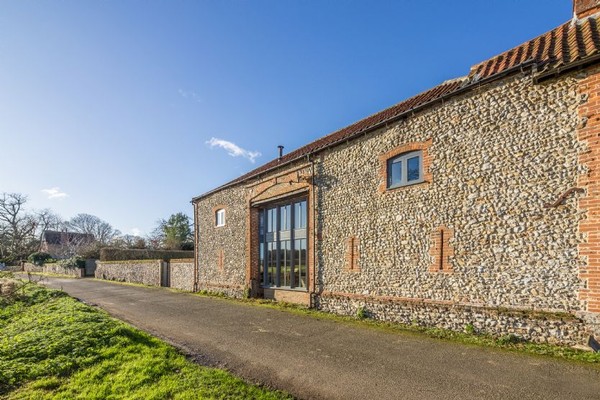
463, 84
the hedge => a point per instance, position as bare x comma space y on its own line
113, 254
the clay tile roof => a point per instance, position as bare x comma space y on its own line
574, 41
61, 238
359, 127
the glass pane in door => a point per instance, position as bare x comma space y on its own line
282, 245
285, 263
300, 263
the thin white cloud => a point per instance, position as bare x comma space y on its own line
233, 149
136, 231
55, 193
190, 95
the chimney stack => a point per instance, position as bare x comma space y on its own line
280, 147
585, 8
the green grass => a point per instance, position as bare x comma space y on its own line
469, 337
54, 347
50, 274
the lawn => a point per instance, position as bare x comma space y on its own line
55, 347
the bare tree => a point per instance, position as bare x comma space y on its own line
48, 220
129, 242
17, 228
102, 231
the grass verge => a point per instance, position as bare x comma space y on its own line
469, 337
54, 347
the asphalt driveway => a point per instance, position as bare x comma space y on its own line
324, 359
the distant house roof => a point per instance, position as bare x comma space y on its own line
572, 44
64, 237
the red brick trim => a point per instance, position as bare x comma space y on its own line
585, 8
221, 260
442, 249
296, 183
405, 148
214, 214
352, 254
252, 249
222, 285
589, 226
300, 170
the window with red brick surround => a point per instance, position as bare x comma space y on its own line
219, 215
405, 148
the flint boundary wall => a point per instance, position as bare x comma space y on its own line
145, 272
177, 273
53, 268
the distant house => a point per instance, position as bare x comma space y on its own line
64, 244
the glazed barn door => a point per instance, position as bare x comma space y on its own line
282, 232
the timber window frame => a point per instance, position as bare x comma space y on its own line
220, 217
425, 176
405, 169
283, 245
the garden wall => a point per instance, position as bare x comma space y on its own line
53, 268
182, 274
146, 272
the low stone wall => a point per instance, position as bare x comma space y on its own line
146, 272
29, 267
182, 274
53, 268
58, 269
539, 327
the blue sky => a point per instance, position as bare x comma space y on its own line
122, 109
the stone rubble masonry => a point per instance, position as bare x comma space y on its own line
221, 250
498, 161
560, 328
145, 272
52, 268
498, 155
182, 274
236, 273
29, 267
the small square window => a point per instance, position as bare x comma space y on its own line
405, 169
220, 217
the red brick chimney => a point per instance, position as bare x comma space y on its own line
585, 8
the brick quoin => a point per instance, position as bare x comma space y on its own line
585, 8
589, 227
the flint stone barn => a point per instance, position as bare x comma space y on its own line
474, 204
